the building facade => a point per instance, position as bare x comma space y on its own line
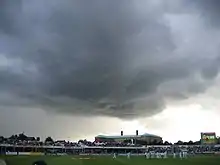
144, 139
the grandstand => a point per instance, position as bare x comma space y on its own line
143, 139
21, 149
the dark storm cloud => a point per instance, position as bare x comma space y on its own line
91, 57
8, 12
209, 10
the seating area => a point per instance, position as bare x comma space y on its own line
24, 140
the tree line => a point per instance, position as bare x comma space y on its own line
49, 139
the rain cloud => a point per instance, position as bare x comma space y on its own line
105, 57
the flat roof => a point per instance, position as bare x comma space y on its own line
127, 136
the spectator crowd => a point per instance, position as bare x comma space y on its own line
32, 142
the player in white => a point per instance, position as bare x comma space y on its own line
185, 154
165, 154
174, 155
114, 156
147, 155
128, 155
152, 154
158, 155
180, 154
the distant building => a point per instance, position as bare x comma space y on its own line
133, 139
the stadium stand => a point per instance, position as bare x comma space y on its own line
22, 144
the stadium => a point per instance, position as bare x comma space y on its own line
143, 139
72, 69
111, 150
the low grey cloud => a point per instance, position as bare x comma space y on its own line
209, 10
109, 58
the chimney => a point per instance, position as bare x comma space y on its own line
136, 132
121, 133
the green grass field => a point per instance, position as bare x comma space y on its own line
96, 160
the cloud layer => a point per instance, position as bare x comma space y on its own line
113, 58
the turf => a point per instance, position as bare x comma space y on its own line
77, 160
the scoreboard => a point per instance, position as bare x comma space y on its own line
208, 138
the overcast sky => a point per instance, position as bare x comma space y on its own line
76, 68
